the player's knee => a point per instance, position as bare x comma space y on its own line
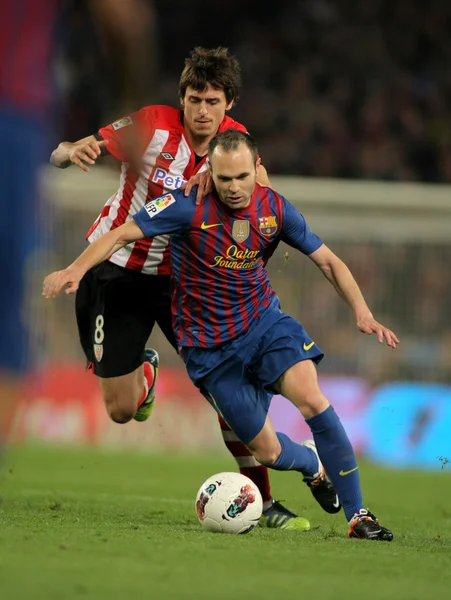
267, 456
314, 404
310, 402
120, 413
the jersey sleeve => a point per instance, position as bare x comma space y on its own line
171, 213
296, 232
136, 126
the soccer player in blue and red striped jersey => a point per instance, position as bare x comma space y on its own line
238, 346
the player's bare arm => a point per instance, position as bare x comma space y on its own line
339, 275
94, 254
86, 150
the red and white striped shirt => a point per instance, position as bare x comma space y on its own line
168, 161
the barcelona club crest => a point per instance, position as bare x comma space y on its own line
240, 231
268, 225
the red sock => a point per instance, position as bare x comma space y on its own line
148, 382
246, 462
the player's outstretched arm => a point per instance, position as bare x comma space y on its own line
86, 150
343, 281
94, 254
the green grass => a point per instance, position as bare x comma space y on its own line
98, 525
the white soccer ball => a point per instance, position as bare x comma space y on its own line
229, 503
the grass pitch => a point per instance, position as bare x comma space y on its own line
91, 524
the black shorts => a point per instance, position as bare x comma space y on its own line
116, 310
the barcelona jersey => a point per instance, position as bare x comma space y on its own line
218, 259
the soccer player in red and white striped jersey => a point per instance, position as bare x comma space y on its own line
168, 159
119, 301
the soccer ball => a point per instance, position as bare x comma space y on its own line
229, 503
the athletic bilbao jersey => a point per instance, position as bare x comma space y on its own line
218, 259
168, 161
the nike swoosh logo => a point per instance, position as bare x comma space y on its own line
336, 503
205, 226
343, 473
307, 347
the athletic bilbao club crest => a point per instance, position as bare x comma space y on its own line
240, 231
268, 225
98, 352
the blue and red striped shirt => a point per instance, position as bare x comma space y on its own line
218, 259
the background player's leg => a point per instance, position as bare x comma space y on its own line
113, 331
125, 394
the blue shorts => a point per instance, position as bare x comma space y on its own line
21, 153
237, 378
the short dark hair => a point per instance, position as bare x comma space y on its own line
230, 139
211, 66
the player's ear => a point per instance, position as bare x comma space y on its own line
258, 162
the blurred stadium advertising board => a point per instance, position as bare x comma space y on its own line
397, 424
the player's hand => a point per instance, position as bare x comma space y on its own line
204, 184
369, 325
87, 152
55, 282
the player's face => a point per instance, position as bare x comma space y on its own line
204, 111
234, 174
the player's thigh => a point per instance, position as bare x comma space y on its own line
229, 386
285, 363
121, 394
161, 305
242, 403
299, 384
113, 321
281, 346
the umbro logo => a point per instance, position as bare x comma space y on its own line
167, 156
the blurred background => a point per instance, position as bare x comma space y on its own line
350, 103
